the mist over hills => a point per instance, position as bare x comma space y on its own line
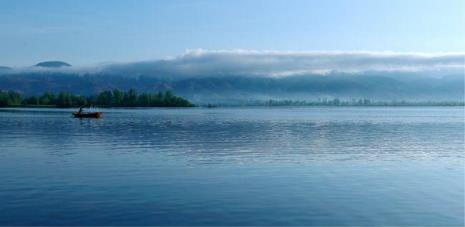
237, 89
243, 76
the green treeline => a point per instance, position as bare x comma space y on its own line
114, 98
359, 102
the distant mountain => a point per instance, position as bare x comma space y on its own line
242, 89
236, 77
3, 68
52, 64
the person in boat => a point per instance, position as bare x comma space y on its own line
88, 114
81, 109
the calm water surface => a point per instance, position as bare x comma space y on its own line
233, 166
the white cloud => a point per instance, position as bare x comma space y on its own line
277, 63
274, 63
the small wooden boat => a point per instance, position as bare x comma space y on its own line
87, 114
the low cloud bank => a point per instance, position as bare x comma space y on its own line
205, 63
279, 64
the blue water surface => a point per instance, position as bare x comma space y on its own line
233, 166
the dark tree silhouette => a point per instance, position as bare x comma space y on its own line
115, 98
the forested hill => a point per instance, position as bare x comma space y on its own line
242, 89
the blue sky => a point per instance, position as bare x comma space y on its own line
87, 32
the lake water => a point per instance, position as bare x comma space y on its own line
233, 166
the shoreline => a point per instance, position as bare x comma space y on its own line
227, 106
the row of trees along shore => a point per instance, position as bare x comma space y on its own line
360, 102
118, 98
114, 98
